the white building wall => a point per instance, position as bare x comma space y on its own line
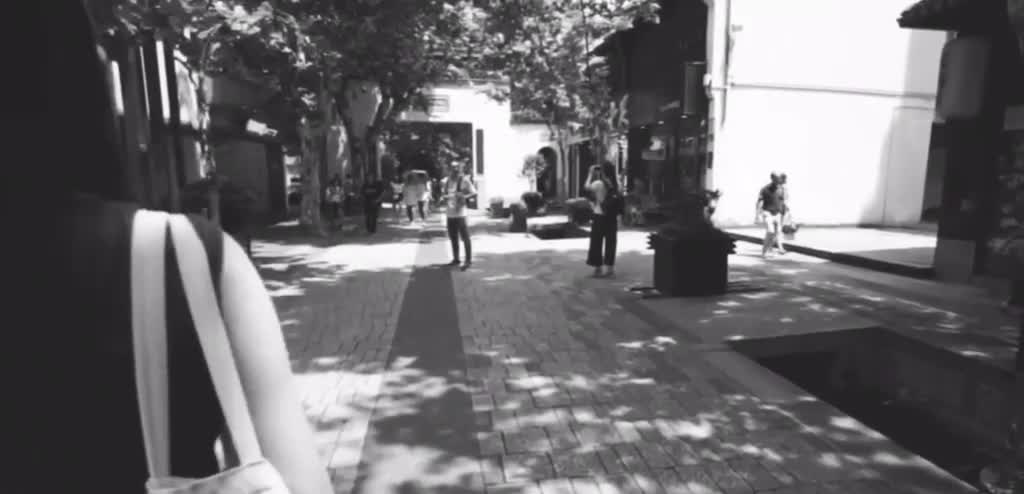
831, 92
474, 105
529, 139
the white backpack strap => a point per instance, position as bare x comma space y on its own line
149, 336
213, 337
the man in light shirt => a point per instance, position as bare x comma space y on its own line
458, 189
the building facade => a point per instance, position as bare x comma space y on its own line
655, 68
497, 157
830, 92
978, 135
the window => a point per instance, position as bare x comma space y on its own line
479, 151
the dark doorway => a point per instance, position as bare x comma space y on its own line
547, 180
587, 158
430, 146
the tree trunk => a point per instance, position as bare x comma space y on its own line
312, 192
370, 156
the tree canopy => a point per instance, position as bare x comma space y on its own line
545, 50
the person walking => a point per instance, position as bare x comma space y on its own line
396, 195
770, 208
373, 195
425, 197
85, 382
334, 194
350, 192
413, 194
606, 202
458, 190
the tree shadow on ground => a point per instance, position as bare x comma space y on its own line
353, 232
610, 399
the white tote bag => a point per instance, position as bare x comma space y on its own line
149, 328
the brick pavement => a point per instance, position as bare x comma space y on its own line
339, 305
570, 389
574, 392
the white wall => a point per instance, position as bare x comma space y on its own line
831, 92
474, 105
528, 140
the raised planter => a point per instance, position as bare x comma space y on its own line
692, 261
579, 211
533, 201
497, 208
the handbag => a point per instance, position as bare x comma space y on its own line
149, 333
789, 228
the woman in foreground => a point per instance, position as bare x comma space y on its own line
76, 404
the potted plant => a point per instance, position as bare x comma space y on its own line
497, 207
533, 201
691, 255
235, 204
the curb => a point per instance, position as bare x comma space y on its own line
908, 270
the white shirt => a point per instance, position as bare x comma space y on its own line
600, 190
456, 199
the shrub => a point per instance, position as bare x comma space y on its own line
518, 213
497, 207
533, 201
579, 211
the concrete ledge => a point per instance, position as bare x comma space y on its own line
902, 269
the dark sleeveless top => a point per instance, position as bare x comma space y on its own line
105, 451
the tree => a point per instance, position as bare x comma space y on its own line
394, 51
247, 40
545, 50
533, 166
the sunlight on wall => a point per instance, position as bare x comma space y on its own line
473, 104
846, 116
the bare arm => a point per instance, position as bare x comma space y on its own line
285, 435
468, 189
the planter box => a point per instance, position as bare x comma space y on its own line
690, 267
518, 223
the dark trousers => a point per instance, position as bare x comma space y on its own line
372, 211
408, 210
604, 233
334, 211
457, 228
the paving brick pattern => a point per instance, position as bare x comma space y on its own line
574, 393
570, 390
339, 306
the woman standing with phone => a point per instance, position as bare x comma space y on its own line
604, 228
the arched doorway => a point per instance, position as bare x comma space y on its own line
547, 181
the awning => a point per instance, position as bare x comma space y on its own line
954, 15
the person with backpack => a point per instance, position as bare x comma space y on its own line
153, 337
608, 203
458, 190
